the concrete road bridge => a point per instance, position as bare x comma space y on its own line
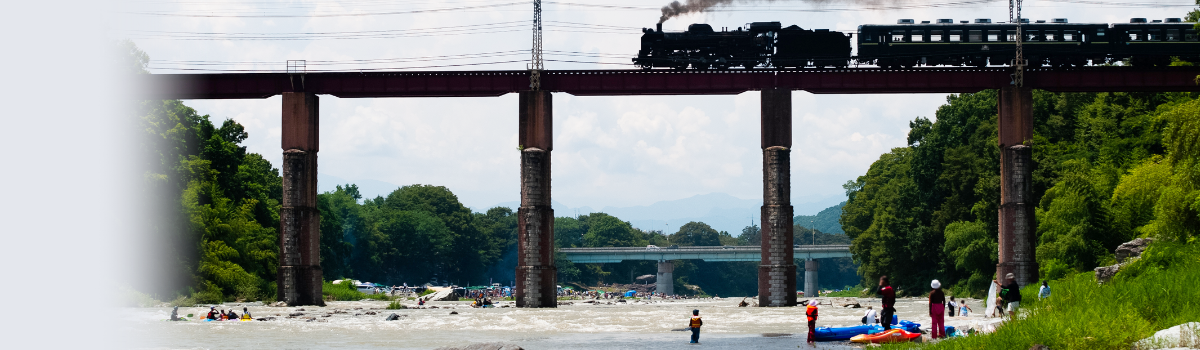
666, 267
300, 276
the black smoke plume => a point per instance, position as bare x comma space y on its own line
675, 8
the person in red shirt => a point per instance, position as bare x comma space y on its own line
811, 312
889, 302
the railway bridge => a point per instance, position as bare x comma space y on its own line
299, 266
666, 266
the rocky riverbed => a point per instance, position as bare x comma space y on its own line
574, 324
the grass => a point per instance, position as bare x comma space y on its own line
347, 292
342, 291
843, 294
1153, 293
396, 305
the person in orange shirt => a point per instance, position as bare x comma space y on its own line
811, 312
694, 324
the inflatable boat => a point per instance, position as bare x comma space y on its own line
845, 333
890, 336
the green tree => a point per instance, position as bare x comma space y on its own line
696, 234
972, 250
751, 235
607, 231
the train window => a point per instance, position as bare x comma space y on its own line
1155, 34
1069, 35
993, 35
955, 36
1050, 36
1010, 36
1136, 35
1189, 35
866, 37
975, 36
918, 36
1031, 35
1173, 35
898, 36
935, 36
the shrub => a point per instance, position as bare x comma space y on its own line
1147, 295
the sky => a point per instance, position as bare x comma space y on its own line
609, 151
68, 204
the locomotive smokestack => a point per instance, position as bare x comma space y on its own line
660, 27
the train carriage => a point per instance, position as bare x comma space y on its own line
907, 44
1153, 43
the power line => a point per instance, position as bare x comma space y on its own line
332, 70
355, 14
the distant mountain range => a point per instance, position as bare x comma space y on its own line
721, 211
825, 221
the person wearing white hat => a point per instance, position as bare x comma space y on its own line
811, 312
1010, 293
937, 310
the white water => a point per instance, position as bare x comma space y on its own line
580, 325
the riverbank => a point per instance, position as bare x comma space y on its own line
1156, 292
575, 324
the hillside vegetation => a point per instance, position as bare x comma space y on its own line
1109, 167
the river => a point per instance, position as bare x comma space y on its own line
346, 325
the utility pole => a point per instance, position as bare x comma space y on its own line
813, 225
535, 68
1019, 63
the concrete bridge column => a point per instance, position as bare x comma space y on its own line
1017, 223
536, 273
665, 283
810, 277
777, 271
299, 280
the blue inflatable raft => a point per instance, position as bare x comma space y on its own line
845, 333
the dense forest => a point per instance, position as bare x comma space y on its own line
1109, 167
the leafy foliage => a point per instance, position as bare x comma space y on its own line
417, 234
220, 205
1107, 169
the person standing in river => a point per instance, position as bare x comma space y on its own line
694, 324
889, 302
811, 312
937, 309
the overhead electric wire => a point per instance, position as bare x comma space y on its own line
334, 70
352, 14
487, 28
772, 6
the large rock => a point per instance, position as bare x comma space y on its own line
483, 346
1186, 335
1132, 249
1125, 253
1106, 273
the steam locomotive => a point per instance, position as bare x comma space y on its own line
908, 44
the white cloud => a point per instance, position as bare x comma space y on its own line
609, 151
